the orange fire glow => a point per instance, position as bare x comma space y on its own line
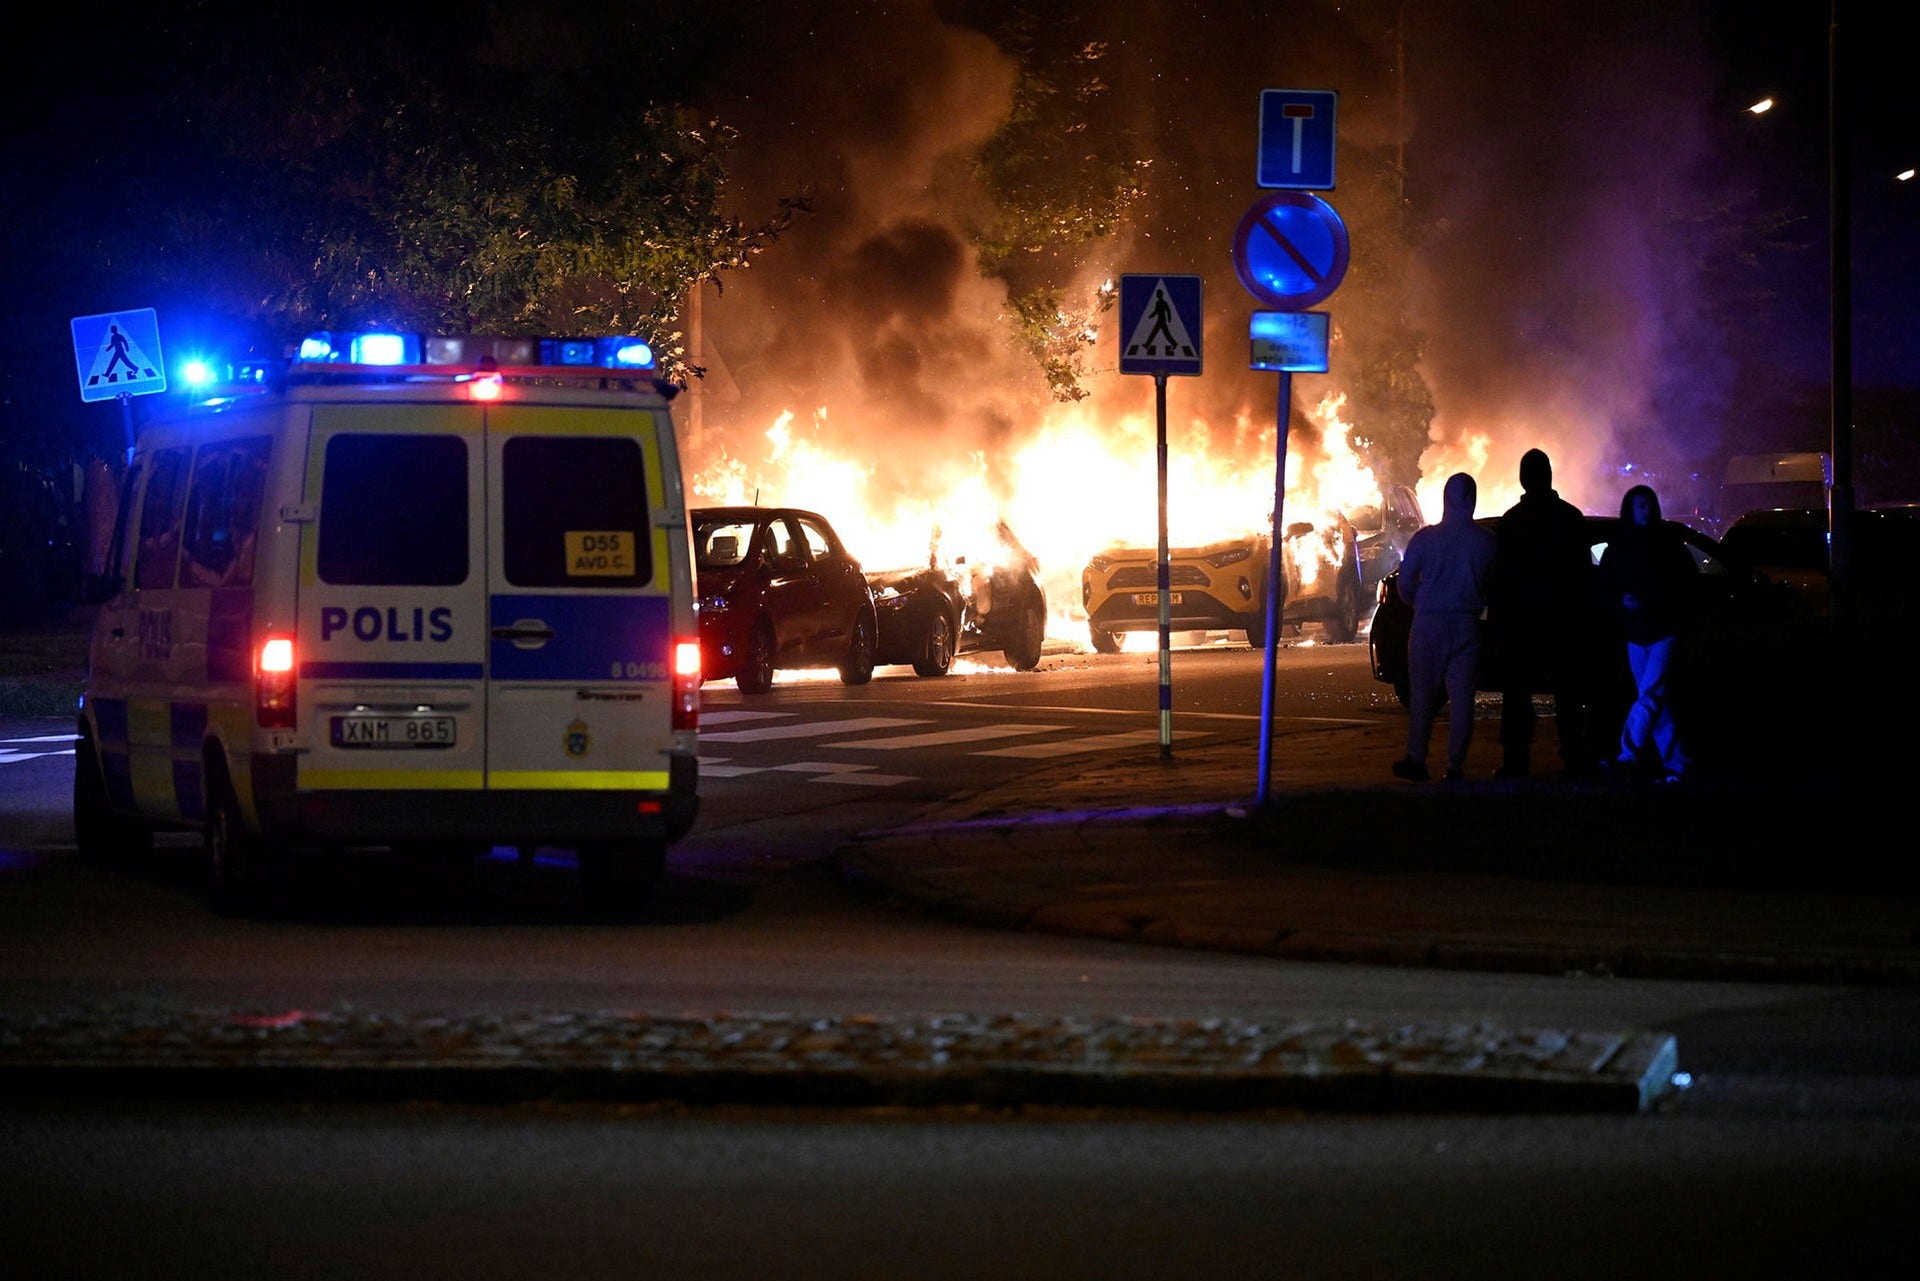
1079, 483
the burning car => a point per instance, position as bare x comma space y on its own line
1223, 586
1383, 533
931, 613
775, 588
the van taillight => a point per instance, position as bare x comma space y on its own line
686, 684
274, 683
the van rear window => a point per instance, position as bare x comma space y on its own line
393, 511
575, 512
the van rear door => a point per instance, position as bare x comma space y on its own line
579, 601
392, 634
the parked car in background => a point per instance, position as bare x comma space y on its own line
777, 589
1790, 546
1223, 586
1765, 482
930, 614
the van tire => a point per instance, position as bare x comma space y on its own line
857, 667
1104, 642
103, 837
239, 863
621, 876
757, 676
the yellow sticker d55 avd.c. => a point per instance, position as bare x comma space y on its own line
599, 552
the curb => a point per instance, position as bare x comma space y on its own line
998, 1061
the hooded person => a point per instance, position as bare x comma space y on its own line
1540, 620
1443, 579
1646, 581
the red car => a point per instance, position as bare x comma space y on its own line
775, 588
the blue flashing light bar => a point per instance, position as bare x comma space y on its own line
466, 353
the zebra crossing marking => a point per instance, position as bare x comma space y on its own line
946, 737
13, 755
808, 729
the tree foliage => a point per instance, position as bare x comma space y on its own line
329, 176
1057, 184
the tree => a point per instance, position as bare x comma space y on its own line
330, 175
1057, 183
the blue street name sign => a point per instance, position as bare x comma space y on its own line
1296, 139
118, 354
1289, 342
1160, 325
1291, 250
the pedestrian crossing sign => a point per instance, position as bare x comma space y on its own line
1160, 325
118, 354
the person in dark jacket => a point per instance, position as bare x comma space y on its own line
1646, 582
1541, 620
1443, 577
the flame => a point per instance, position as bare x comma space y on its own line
1081, 482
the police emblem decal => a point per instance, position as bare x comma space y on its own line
578, 740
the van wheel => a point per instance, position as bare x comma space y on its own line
1024, 654
1257, 631
1104, 642
621, 876
857, 668
757, 676
1403, 691
936, 648
239, 862
102, 836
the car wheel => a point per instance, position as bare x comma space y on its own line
621, 876
1403, 692
1104, 642
1024, 654
936, 647
757, 676
1257, 631
239, 862
1344, 626
102, 836
857, 667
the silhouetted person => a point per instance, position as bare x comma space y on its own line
1540, 616
1646, 581
1443, 578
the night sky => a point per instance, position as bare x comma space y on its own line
1570, 177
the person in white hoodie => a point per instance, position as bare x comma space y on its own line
1443, 579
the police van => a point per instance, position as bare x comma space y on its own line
432, 593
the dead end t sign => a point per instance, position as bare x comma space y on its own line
1160, 325
1296, 139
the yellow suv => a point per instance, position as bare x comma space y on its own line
1222, 586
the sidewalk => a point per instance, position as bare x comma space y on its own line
1791, 881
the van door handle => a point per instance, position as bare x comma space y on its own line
526, 633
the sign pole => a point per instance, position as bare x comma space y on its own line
1276, 588
1163, 571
